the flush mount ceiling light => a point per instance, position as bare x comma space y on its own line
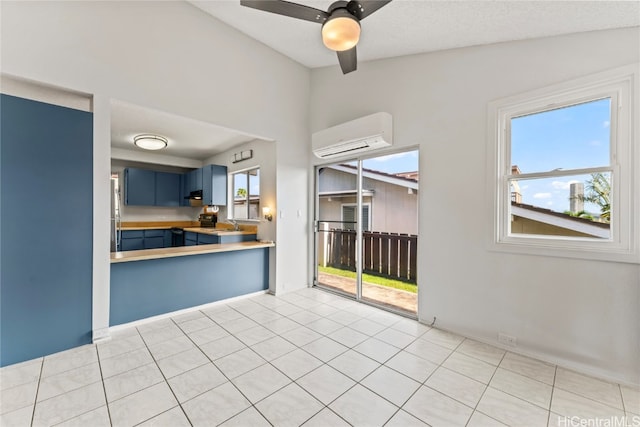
150, 142
341, 31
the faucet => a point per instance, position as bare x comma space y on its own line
233, 222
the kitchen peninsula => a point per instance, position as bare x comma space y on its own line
151, 282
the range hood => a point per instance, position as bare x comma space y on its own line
195, 198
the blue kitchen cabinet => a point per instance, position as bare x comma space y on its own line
191, 181
167, 189
46, 274
168, 239
207, 239
194, 180
235, 238
190, 238
214, 185
132, 240
153, 239
139, 187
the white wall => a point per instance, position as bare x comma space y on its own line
577, 313
172, 57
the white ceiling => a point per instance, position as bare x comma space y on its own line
405, 27
188, 138
402, 27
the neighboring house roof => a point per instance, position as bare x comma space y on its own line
396, 179
547, 216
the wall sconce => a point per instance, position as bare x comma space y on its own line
266, 213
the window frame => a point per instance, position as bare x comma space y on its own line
355, 206
231, 195
621, 85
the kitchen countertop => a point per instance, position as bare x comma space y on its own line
218, 231
195, 228
147, 254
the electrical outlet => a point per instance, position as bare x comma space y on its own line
507, 340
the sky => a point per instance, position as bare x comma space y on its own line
567, 138
394, 163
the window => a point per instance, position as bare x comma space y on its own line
562, 162
561, 170
246, 194
349, 216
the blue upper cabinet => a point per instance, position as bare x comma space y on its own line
139, 187
214, 185
167, 189
191, 181
150, 188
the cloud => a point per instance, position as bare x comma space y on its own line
549, 203
562, 185
542, 196
595, 143
606, 124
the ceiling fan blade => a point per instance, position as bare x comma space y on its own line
294, 10
363, 8
348, 60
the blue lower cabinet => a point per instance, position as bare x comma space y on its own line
207, 239
132, 240
237, 238
190, 238
132, 244
148, 288
154, 242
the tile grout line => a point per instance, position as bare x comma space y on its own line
252, 405
35, 401
475, 408
163, 377
104, 388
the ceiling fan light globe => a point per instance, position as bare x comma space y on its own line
341, 32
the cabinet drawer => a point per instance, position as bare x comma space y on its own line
132, 234
132, 244
154, 233
207, 239
154, 242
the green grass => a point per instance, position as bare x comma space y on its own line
376, 280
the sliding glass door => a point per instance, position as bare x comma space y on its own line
367, 230
336, 225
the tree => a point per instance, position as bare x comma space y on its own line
241, 193
598, 192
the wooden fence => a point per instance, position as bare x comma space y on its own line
384, 254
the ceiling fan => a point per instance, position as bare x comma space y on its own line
340, 24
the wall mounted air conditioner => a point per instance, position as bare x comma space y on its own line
357, 136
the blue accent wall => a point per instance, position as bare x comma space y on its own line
46, 212
141, 289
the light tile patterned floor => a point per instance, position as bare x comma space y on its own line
306, 358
